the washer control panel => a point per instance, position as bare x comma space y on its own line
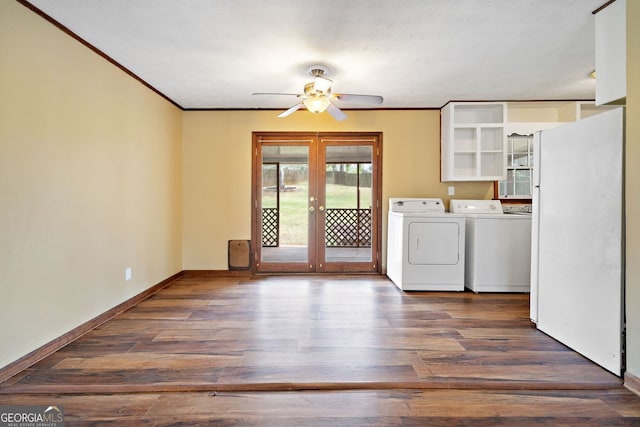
475, 206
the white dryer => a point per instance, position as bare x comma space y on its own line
425, 246
498, 247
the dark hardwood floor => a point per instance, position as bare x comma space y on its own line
320, 350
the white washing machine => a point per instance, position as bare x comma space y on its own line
425, 246
498, 247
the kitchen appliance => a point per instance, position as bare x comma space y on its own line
425, 246
498, 247
577, 236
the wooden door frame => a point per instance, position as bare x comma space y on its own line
281, 138
291, 138
355, 138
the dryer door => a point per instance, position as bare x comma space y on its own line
434, 243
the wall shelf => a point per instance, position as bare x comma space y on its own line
473, 141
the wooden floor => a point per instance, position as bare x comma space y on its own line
317, 350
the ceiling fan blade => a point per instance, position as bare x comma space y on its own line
276, 93
290, 110
336, 112
365, 99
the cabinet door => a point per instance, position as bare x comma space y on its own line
611, 53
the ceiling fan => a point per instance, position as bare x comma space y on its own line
317, 96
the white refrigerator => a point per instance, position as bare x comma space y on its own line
577, 270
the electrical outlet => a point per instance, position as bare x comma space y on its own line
127, 273
452, 190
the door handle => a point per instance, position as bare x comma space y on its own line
311, 209
321, 208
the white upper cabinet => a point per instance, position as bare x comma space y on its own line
473, 141
611, 54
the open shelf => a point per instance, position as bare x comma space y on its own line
473, 141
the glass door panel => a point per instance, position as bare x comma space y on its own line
346, 204
285, 220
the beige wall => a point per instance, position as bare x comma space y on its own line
632, 184
217, 169
90, 178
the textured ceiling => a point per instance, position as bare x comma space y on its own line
415, 53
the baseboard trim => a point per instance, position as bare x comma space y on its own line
47, 349
632, 383
216, 273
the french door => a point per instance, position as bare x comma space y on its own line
316, 202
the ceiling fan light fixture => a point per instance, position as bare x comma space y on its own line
322, 85
316, 104
317, 95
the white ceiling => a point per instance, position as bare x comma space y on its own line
415, 53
